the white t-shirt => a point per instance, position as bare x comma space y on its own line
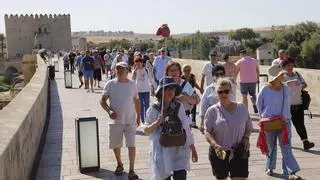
207, 71
143, 80
159, 66
121, 96
187, 90
107, 59
276, 62
295, 88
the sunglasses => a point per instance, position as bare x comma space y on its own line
187, 70
174, 70
213, 55
218, 74
171, 88
227, 91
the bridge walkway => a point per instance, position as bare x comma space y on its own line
59, 161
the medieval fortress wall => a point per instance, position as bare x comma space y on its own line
26, 32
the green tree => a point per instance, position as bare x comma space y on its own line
301, 42
311, 51
243, 35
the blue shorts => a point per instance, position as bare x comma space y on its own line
246, 88
88, 75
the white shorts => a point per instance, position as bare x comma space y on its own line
116, 132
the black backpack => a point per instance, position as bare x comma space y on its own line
172, 133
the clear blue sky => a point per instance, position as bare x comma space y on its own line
183, 16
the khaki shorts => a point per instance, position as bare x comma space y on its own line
116, 132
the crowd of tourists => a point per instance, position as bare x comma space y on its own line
169, 120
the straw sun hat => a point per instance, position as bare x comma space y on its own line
276, 71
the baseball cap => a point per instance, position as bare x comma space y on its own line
122, 64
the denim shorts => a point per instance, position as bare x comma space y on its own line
246, 88
88, 74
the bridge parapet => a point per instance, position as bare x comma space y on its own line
21, 125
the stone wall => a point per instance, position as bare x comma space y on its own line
24, 32
311, 76
21, 126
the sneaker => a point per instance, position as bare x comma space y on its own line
119, 170
194, 125
307, 145
270, 172
88, 90
132, 175
255, 109
92, 90
80, 85
294, 177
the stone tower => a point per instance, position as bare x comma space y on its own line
26, 32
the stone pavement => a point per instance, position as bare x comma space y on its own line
59, 160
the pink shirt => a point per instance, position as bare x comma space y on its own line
247, 67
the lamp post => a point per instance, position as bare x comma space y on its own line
56, 65
87, 142
67, 79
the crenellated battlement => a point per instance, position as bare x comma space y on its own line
36, 16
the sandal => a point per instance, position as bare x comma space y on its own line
132, 175
270, 172
119, 170
294, 177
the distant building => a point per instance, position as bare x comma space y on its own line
266, 53
79, 43
27, 32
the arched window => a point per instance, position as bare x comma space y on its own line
45, 30
39, 30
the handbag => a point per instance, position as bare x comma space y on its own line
274, 123
172, 133
305, 96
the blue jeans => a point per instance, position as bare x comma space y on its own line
289, 163
144, 101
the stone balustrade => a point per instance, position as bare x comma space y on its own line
21, 125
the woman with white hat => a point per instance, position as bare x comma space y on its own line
275, 123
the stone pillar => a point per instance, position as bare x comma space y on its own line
28, 67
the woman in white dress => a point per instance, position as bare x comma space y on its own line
175, 160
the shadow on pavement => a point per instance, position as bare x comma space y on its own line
309, 151
52, 150
107, 175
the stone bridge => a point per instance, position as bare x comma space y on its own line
8, 64
37, 134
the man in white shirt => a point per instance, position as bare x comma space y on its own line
159, 64
282, 56
122, 94
207, 70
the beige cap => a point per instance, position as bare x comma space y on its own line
122, 64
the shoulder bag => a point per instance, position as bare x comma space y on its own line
274, 123
306, 99
172, 133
